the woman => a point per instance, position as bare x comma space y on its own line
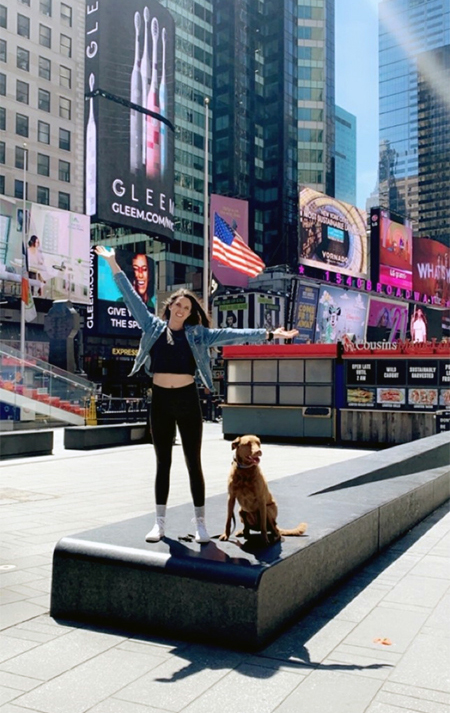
36, 260
418, 325
178, 347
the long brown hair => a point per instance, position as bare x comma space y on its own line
198, 314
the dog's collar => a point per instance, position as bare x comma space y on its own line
241, 465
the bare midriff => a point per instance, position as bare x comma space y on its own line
172, 381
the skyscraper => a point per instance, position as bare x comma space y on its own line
345, 167
408, 30
273, 109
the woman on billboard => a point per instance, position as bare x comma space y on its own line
176, 348
418, 325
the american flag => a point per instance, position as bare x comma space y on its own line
229, 249
27, 297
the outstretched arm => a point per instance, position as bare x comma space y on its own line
281, 333
110, 257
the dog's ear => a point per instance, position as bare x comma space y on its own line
235, 443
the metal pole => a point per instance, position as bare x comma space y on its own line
206, 214
24, 247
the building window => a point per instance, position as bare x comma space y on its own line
65, 77
64, 171
21, 125
2, 185
43, 132
18, 189
64, 139
45, 7
43, 195
19, 161
65, 108
45, 68
22, 92
2, 50
25, 2
43, 164
66, 15
23, 59
3, 16
44, 100
23, 26
45, 36
2, 84
65, 46
64, 201
2, 118
2, 152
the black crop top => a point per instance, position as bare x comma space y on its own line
176, 358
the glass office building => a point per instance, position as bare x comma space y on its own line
345, 167
408, 29
273, 112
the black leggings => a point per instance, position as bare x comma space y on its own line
179, 407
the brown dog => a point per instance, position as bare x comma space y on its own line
247, 485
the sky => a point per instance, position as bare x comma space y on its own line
356, 71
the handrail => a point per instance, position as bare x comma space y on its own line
47, 368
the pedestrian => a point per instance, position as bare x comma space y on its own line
176, 348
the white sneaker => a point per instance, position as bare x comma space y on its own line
157, 531
201, 534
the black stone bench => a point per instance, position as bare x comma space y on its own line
83, 438
235, 593
19, 444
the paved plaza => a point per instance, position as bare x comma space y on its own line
379, 643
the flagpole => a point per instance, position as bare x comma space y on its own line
24, 247
206, 213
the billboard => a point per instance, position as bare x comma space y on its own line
129, 113
340, 313
253, 310
392, 250
332, 234
235, 213
111, 315
304, 316
431, 269
387, 320
425, 323
57, 244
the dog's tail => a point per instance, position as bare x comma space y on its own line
296, 531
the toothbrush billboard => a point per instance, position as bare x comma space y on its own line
129, 114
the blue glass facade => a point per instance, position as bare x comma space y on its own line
345, 167
407, 28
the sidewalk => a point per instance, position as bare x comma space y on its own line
329, 662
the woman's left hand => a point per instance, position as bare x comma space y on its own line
281, 333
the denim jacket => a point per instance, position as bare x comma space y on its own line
201, 339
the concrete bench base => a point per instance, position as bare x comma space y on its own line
83, 438
235, 593
19, 444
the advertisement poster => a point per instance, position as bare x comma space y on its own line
333, 234
112, 316
392, 250
129, 114
425, 323
57, 243
255, 310
387, 321
304, 317
340, 313
431, 275
235, 213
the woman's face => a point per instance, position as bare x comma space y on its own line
180, 310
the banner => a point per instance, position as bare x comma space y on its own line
341, 313
387, 321
304, 316
235, 213
431, 269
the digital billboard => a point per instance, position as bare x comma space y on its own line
425, 323
392, 250
57, 243
235, 214
340, 313
387, 320
250, 309
431, 269
333, 234
111, 315
129, 114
